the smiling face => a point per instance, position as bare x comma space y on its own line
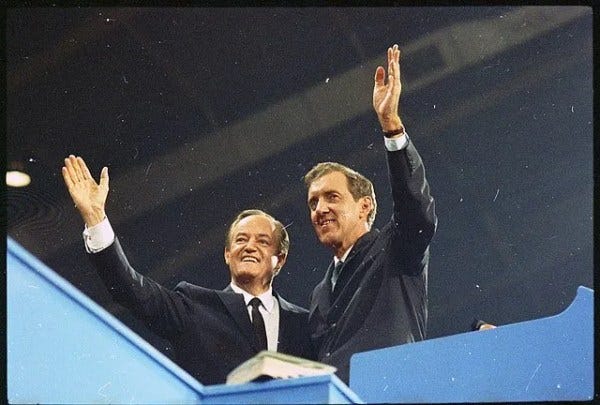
338, 219
252, 253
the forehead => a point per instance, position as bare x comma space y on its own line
254, 224
333, 181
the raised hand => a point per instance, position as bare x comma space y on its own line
386, 96
89, 197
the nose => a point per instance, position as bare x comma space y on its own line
250, 246
321, 206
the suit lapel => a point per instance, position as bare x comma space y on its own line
360, 244
323, 296
236, 306
321, 299
283, 304
354, 258
287, 326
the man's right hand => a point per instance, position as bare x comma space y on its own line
89, 197
386, 96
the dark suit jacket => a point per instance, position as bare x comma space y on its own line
380, 298
210, 330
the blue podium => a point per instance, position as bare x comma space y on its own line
63, 348
547, 359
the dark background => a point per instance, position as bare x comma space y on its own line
200, 113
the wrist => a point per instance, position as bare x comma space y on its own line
391, 124
395, 133
93, 216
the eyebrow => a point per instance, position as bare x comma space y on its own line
325, 192
260, 235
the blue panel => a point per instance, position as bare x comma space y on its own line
64, 348
548, 359
317, 389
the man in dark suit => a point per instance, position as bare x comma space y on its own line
211, 331
374, 293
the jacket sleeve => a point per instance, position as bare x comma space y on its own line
414, 220
163, 310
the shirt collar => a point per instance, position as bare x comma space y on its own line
266, 298
344, 257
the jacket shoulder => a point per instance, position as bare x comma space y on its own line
193, 291
288, 306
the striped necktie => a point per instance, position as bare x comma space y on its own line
336, 273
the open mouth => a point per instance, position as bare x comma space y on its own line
325, 222
249, 259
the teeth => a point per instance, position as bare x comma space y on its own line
250, 259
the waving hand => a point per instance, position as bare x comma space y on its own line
386, 96
89, 197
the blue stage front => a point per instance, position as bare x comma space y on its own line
64, 348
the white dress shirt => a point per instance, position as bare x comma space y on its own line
269, 311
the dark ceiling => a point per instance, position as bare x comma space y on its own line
200, 113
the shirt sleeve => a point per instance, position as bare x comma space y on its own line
98, 237
393, 145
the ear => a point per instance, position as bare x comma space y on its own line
281, 258
227, 255
366, 206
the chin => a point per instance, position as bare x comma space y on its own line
246, 276
327, 240
247, 272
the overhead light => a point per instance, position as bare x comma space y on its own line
16, 178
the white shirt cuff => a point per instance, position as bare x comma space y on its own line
396, 144
98, 237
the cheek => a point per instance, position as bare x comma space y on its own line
233, 252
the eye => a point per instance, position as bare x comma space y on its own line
333, 197
240, 239
312, 204
264, 242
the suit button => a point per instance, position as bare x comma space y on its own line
327, 354
333, 325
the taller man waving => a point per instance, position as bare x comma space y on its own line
374, 293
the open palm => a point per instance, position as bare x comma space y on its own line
386, 96
89, 197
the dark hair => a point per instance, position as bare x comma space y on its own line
358, 185
283, 239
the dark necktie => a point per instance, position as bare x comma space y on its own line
259, 324
336, 273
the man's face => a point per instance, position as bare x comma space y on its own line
338, 219
252, 251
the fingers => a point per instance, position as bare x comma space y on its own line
67, 177
104, 177
393, 54
70, 164
75, 170
83, 169
379, 76
393, 63
397, 62
393, 68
